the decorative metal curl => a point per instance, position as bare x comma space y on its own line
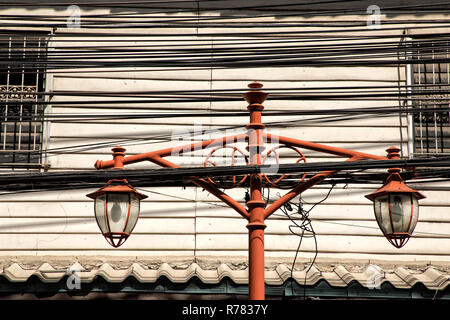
277, 159
234, 180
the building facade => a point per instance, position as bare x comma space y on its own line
78, 80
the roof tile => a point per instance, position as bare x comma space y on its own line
340, 276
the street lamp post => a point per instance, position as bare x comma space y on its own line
257, 210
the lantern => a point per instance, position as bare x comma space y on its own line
117, 207
396, 209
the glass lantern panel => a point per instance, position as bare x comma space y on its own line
134, 213
100, 213
415, 215
381, 208
118, 204
400, 209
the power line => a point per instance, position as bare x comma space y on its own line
156, 176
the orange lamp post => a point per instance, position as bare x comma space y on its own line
257, 210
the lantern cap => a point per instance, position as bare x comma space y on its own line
118, 186
394, 184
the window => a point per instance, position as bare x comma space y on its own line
431, 79
21, 107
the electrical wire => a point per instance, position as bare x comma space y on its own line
182, 198
169, 136
329, 51
181, 175
295, 55
271, 8
304, 226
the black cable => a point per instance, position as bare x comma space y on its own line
270, 8
199, 50
305, 226
51, 152
166, 137
145, 178
156, 176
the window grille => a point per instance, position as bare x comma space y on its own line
21, 107
431, 80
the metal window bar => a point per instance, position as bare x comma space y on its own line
441, 140
21, 124
409, 103
420, 117
431, 127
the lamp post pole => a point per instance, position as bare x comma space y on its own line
257, 209
256, 205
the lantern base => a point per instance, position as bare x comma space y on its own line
398, 240
116, 239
